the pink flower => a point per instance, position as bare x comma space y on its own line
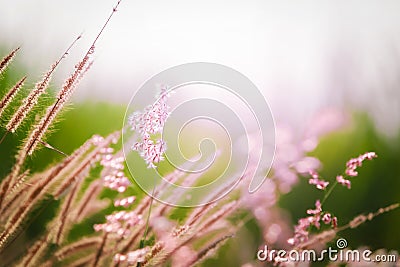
369, 155
327, 218
314, 220
151, 152
113, 175
151, 121
291, 241
334, 222
153, 118
313, 174
125, 202
351, 172
343, 181
317, 210
353, 163
320, 184
132, 257
301, 230
116, 181
119, 223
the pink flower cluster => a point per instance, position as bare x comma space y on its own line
151, 121
153, 118
301, 230
109, 161
352, 164
119, 223
340, 179
351, 167
315, 180
151, 152
132, 257
116, 182
114, 177
125, 202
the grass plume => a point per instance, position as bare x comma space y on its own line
10, 95
7, 59
32, 99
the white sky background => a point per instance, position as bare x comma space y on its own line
303, 55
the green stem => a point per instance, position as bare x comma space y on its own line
328, 193
143, 240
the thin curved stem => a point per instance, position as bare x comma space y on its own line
146, 230
328, 193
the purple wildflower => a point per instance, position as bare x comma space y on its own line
149, 122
